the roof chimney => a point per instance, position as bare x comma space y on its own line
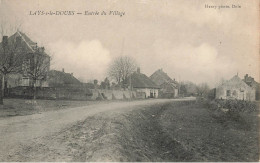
5, 41
138, 70
41, 49
63, 70
246, 76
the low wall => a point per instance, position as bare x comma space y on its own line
51, 93
71, 93
101, 94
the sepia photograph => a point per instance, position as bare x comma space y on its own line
129, 80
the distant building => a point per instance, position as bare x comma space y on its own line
252, 83
169, 87
28, 50
235, 88
61, 78
144, 86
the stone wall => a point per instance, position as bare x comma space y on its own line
103, 94
74, 93
50, 93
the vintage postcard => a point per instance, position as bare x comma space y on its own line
129, 80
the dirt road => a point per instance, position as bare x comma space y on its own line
19, 131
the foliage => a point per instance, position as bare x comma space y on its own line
105, 84
211, 94
188, 88
89, 85
225, 110
183, 89
38, 66
11, 58
234, 105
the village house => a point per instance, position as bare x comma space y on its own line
169, 87
235, 88
28, 51
143, 85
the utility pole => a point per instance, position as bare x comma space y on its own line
179, 85
123, 46
131, 86
122, 52
34, 71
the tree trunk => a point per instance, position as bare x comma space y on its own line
1, 95
35, 90
3, 85
1, 98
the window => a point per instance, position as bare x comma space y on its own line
228, 92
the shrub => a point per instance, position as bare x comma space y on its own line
225, 110
232, 105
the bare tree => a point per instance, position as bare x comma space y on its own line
10, 53
36, 66
202, 89
182, 89
11, 59
121, 68
7, 28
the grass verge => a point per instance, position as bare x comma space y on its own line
176, 131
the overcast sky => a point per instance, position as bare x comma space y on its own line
189, 41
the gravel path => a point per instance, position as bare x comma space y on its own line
19, 131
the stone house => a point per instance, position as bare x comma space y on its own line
143, 85
28, 51
235, 88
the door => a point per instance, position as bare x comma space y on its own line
151, 94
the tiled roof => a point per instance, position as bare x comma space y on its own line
26, 42
159, 77
58, 77
169, 83
235, 81
139, 80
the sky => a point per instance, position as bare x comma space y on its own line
188, 41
